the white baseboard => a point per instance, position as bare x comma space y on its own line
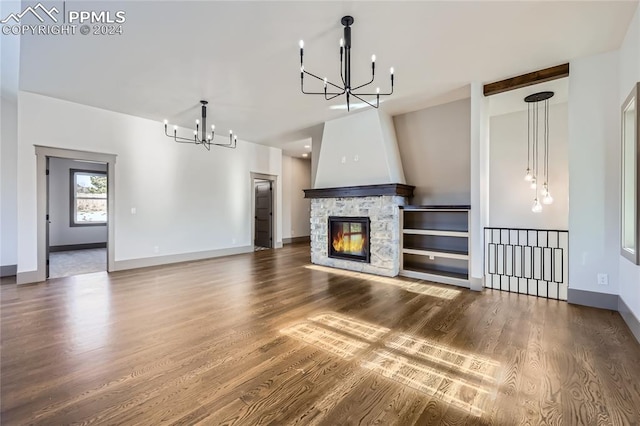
27, 277
145, 262
632, 322
476, 284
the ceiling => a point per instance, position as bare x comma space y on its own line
243, 56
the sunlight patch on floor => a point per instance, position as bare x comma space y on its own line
458, 392
411, 286
364, 330
328, 340
473, 365
461, 379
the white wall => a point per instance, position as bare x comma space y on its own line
296, 176
316, 143
510, 198
434, 146
594, 157
359, 149
479, 132
9, 71
629, 75
187, 199
60, 231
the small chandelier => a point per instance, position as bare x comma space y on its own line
346, 87
200, 135
533, 161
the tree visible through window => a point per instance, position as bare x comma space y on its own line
88, 198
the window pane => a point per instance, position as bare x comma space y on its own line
89, 185
91, 210
89, 197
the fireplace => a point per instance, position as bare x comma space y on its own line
374, 207
349, 238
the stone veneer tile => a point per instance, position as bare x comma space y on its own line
384, 237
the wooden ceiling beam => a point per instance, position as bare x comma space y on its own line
540, 76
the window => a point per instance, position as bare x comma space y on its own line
88, 198
630, 174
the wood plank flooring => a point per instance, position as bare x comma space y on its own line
267, 338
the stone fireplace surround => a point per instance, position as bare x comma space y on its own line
379, 203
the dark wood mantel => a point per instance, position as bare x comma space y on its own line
361, 191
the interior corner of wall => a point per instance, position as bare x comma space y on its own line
476, 284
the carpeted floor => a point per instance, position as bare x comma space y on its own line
76, 262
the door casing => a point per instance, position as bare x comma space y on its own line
42, 153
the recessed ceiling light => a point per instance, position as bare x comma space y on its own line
305, 155
307, 146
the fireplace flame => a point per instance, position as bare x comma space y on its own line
347, 245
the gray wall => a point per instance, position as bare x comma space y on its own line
60, 233
434, 147
296, 176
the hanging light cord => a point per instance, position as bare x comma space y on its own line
535, 146
546, 143
528, 138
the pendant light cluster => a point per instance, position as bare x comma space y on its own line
200, 135
532, 175
346, 86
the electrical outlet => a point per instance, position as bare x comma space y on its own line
344, 159
233, 241
355, 158
156, 249
133, 210
603, 279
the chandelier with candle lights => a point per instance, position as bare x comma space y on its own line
346, 87
201, 136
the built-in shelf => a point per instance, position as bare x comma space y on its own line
451, 278
461, 234
438, 207
435, 243
437, 253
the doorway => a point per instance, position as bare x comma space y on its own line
263, 217
77, 217
43, 158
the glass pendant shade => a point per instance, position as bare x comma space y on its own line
537, 207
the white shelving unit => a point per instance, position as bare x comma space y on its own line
435, 244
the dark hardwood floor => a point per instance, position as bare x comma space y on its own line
267, 338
